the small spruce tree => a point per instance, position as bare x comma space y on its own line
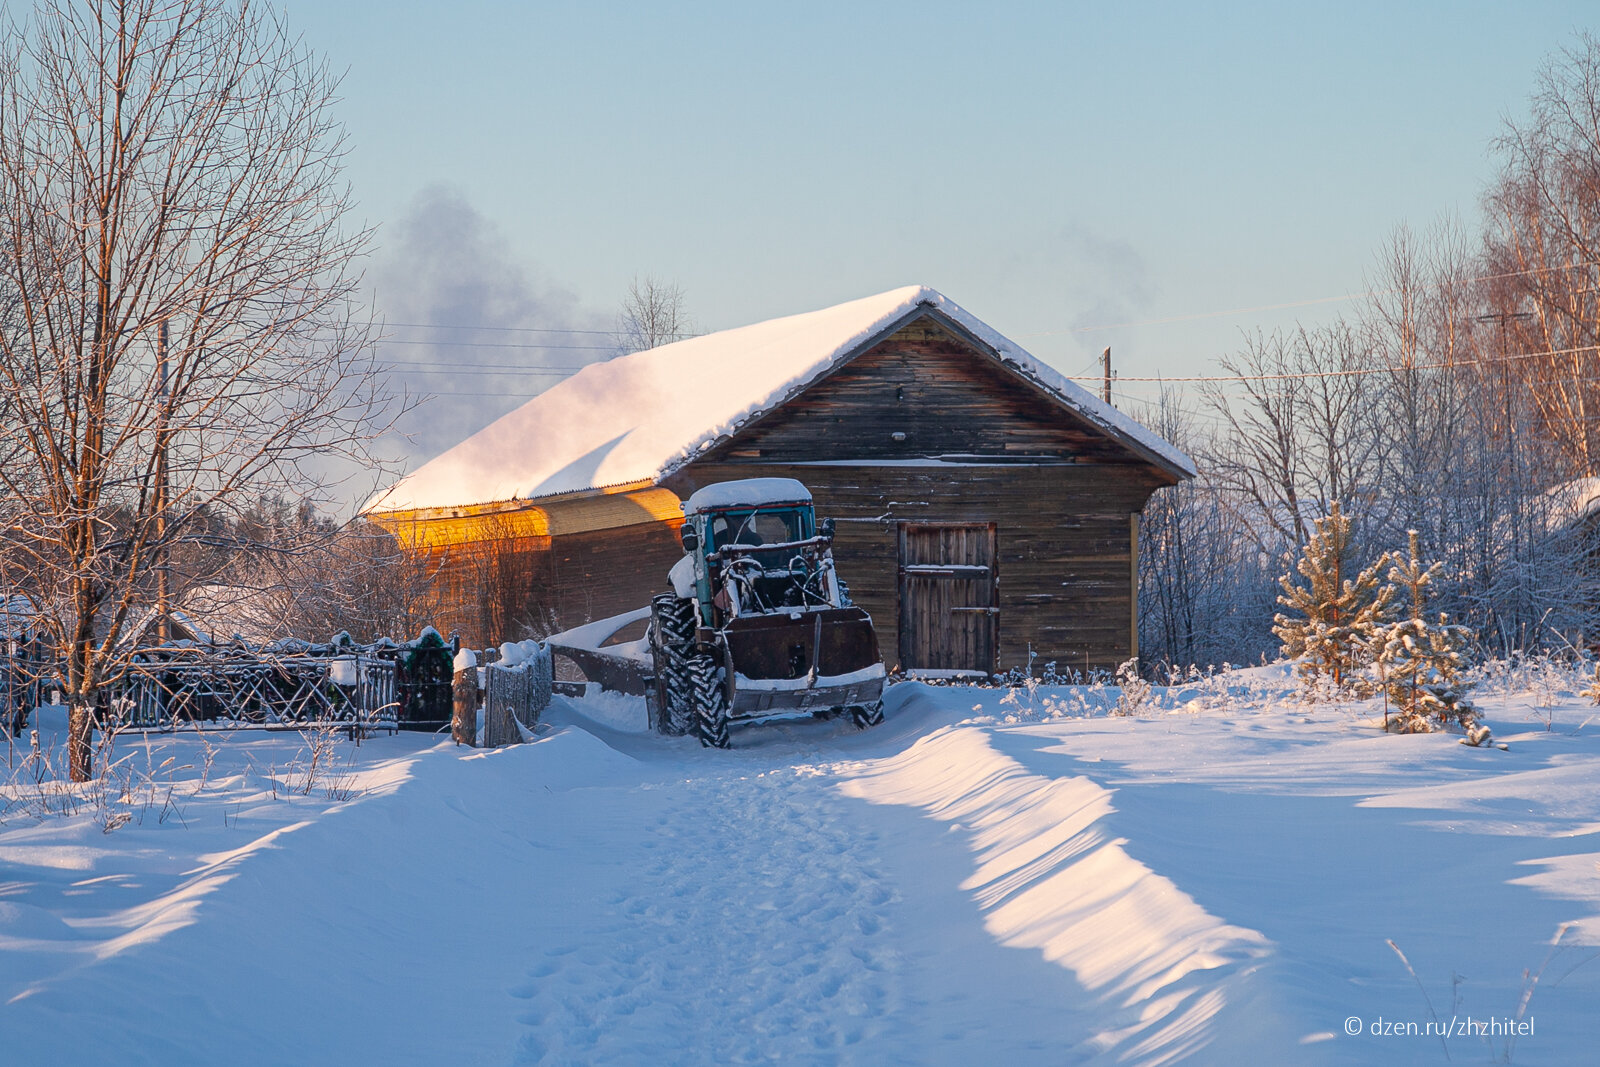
1338, 616
1419, 660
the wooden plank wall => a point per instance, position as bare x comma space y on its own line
929, 386
509, 589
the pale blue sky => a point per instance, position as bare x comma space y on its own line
1049, 166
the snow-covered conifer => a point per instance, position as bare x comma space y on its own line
1420, 660
1338, 615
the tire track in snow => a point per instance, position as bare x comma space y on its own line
754, 930
1050, 878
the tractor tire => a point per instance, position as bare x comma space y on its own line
671, 645
867, 715
710, 703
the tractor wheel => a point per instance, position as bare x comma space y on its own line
865, 715
671, 644
710, 703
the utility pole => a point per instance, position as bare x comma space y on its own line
1105, 375
164, 559
1503, 317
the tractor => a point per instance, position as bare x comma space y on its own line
758, 624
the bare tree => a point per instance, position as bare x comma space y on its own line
1205, 585
1301, 436
319, 578
1543, 251
499, 583
652, 315
172, 229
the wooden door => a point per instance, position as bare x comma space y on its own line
949, 607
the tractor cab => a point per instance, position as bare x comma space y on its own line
752, 547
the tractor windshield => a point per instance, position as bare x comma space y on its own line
769, 527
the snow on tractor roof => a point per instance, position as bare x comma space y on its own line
638, 418
749, 493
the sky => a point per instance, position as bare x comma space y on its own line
1158, 178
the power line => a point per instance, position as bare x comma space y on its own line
1352, 372
528, 346
1303, 303
493, 372
498, 329
493, 344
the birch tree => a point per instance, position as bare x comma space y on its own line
1543, 250
179, 280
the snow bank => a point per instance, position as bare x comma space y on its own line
1049, 877
639, 417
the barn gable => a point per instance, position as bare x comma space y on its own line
926, 391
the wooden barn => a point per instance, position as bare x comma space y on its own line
985, 505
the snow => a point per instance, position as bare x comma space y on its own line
682, 577
747, 492
637, 418
520, 653
16, 615
990, 876
1571, 502
794, 685
594, 635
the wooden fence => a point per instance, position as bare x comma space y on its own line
514, 697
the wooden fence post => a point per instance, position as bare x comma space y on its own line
464, 692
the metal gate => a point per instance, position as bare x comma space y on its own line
179, 689
949, 602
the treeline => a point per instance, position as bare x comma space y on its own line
1461, 401
279, 568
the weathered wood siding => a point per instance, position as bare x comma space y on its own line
608, 572
511, 569
929, 386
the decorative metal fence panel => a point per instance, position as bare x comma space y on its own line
288, 685
235, 689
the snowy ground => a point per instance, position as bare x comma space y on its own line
980, 880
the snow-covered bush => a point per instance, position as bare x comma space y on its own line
1135, 691
1335, 617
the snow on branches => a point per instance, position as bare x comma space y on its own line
1339, 617
1419, 661
1361, 635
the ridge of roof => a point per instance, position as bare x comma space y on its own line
641, 416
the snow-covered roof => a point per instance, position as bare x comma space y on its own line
747, 492
638, 418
